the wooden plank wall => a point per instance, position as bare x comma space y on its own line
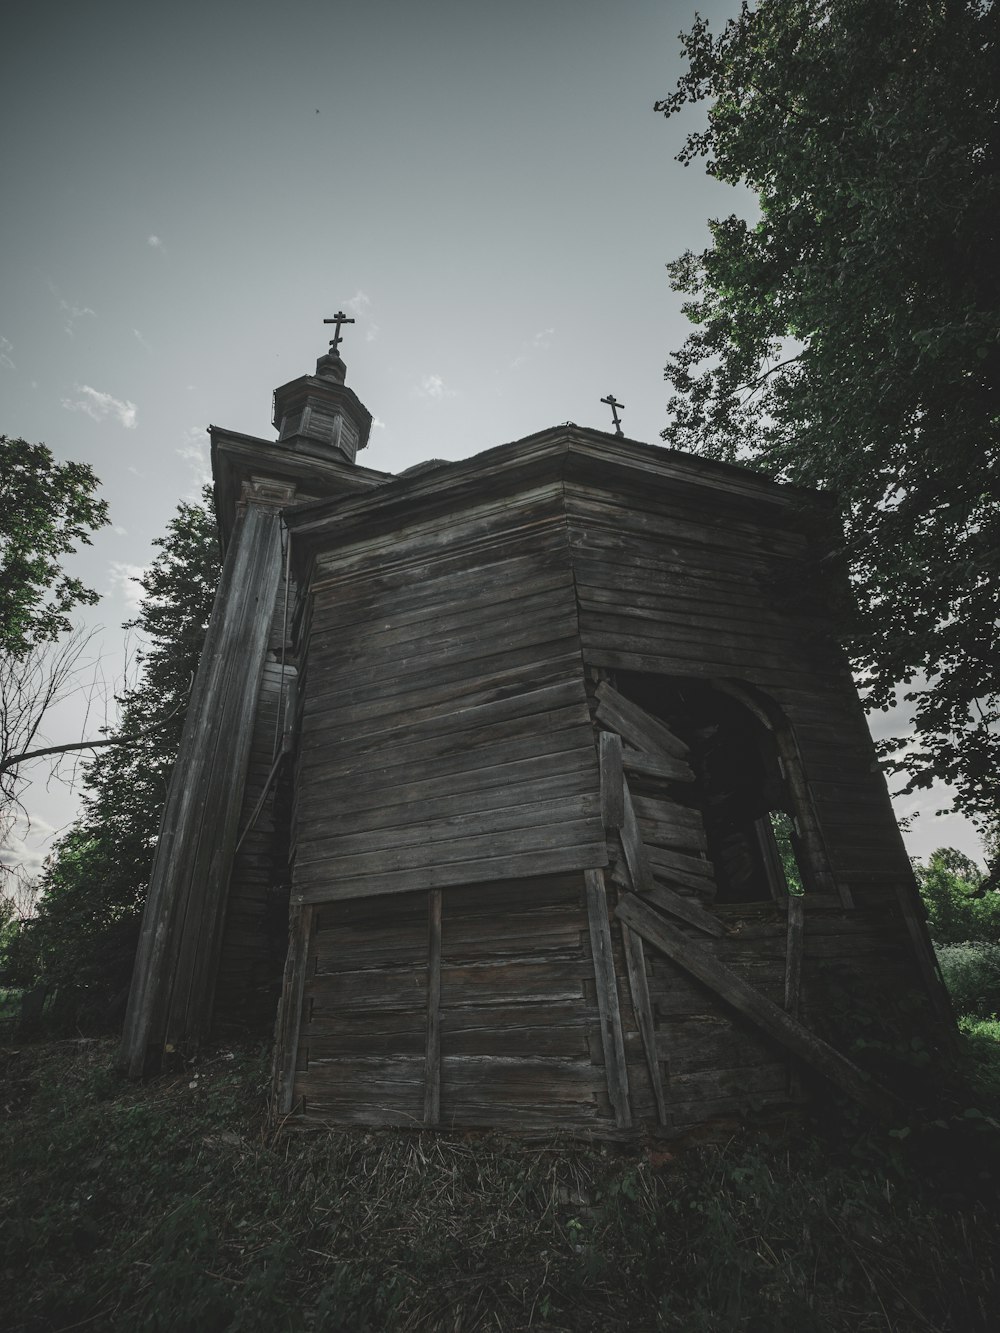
519, 1032
716, 1062
445, 736
699, 586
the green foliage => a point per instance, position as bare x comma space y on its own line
960, 905
848, 338
46, 508
171, 1206
82, 939
972, 974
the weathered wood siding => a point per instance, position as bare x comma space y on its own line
714, 1061
710, 584
519, 1033
445, 735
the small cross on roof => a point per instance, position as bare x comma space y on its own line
338, 319
613, 403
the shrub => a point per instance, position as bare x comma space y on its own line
972, 974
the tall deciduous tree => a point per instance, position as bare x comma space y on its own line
850, 338
82, 938
46, 508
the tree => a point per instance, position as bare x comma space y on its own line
849, 338
45, 509
961, 904
83, 935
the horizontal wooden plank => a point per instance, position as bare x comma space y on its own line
640, 764
423, 699
569, 751
328, 889
386, 753
315, 859
334, 993
688, 910
527, 659
385, 623
640, 728
460, 718
514, 1039
500, 981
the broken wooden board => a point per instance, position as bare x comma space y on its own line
607, 998
700, 963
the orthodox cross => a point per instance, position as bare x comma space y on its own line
614, 405
338, 319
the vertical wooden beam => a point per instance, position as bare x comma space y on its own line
288, 1026
612, 1040
612, 780
174, 975
794, 945
636, 856
793, 955
432, 1076
635, 960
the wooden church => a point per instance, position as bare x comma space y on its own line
530, 791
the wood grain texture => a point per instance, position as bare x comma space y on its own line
612, 1040
755, 1006
432, 1074
642, 1006
612, 780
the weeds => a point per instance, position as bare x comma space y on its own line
172, 1206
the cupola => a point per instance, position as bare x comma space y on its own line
318, 414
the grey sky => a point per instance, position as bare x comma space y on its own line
191, 188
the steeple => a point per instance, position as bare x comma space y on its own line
319, 415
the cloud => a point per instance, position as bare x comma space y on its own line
124, 581
378, 423
358, 306
24, 848
433, 386
541, 342
195, 452
98, 405
119, 530
142, 341
6, 347
155, 243
73, 314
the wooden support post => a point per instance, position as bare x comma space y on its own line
793, 977
635, 959
793, 955
173, 979
432, 1076
289, 1021
612, 1040
636, 856
696, 960
612, 780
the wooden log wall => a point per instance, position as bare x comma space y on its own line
518, 1039
445, 736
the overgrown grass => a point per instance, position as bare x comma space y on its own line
172, 1206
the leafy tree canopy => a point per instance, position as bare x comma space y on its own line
45, 509
84, 933
849, 339
962, 906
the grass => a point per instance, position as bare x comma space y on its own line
174, 1206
